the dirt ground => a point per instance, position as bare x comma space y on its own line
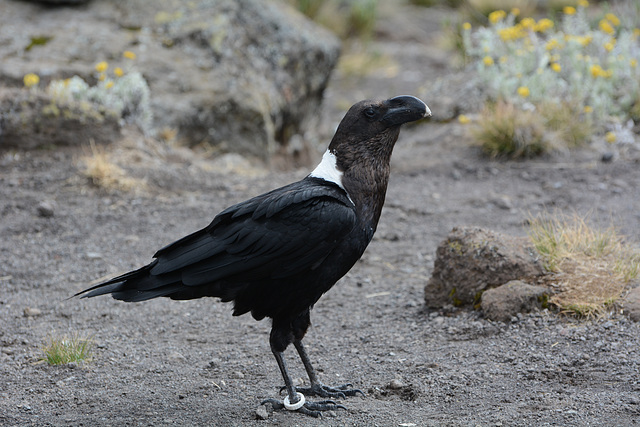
165, 362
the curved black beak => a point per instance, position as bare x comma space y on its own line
404, 109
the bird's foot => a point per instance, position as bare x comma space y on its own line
314, 409
340, 392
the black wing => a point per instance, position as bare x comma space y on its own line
272, 236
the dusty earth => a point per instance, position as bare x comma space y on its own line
164, 362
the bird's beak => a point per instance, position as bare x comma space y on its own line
404, 109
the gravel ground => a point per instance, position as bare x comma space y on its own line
166, 362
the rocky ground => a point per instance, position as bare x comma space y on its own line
191, 363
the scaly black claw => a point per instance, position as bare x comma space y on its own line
340, 392
313, 409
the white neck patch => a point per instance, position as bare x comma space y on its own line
328, 170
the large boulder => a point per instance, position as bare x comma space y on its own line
471, 260
243, 76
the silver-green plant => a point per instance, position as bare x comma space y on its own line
530, 63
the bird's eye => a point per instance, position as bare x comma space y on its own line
370, 112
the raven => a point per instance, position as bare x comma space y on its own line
277, 253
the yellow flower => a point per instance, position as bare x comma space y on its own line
503, 59
543, 25
613, 19
569, 10
487, 60
528, 23
118, 72
497, 16
463, 119
101, 67
585, 40
636, 32
512, 33
588, 109
609, 46
583, 3
610, 137
109, 84
552, 44
31, 80
633, 63
128, 54
523, 91
598, 71
556, 67
102, 77
515, 11
606, 26
466, 26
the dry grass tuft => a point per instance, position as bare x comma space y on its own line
105, 174
507, 131
67, 349
593, 267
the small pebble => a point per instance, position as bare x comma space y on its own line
261, 413
45, 209
395, 384
32, 312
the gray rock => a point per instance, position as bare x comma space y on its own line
30, 120
245, 76
513, 298
631, 304
261, 413
471, 260
46, 209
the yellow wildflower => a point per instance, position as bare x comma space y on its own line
636, 32
583, 3
543, 25
31, 80
102, 77
528, 23
588, 109
612, 18
598, 71
118, 72
523, 91
569, 10
487, 60
512, 33
552, 44
610, 137
463, 119
515, 11
466, 26
585, 40
556, 67
109, 84
633, 63
503, 59
606, 26
497, 16
101, 67
128, 54
609, 45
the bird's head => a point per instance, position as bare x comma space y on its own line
371, 128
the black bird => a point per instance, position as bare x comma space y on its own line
276, 254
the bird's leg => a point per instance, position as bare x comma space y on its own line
317, 388
295, 401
